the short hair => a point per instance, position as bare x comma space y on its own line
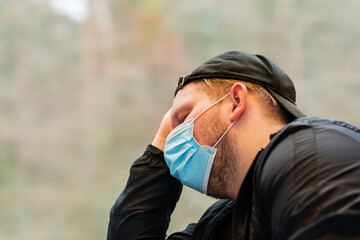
220, 87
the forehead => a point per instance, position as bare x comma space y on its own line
190, 97
192, 92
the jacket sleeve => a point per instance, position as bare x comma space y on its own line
143, 209
310, 186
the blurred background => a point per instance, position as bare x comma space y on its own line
85, 83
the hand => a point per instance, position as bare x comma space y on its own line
163, 132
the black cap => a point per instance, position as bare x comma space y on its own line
248, 67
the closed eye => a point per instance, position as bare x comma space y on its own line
183, 117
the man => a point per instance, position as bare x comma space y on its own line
235, 133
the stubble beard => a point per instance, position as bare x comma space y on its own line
224, 169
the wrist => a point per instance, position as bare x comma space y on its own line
159, 142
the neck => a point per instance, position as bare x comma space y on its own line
252, 134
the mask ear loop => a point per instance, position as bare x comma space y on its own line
224, 133
211, 106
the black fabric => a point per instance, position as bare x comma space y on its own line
244, 66
304, 185
307, 183
143, 209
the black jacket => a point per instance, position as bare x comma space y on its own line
304, 185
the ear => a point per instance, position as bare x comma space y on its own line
238, 95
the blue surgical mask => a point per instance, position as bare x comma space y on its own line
188, 161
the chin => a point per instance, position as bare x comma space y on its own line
220, 194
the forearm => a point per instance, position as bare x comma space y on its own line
143, 209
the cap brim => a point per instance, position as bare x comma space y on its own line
290, 107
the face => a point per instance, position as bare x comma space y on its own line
189, 103
208, 128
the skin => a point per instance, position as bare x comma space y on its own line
237, 150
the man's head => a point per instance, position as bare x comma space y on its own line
254, 69
261, 100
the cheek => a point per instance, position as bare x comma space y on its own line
200, 133
209, 131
